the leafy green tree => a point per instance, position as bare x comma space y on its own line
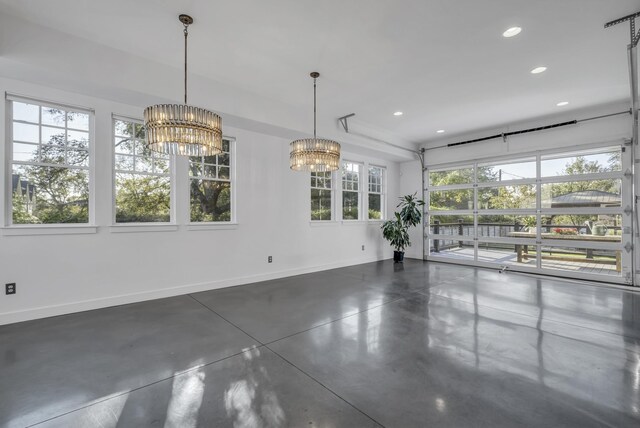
142, 198
210, 200
20, 213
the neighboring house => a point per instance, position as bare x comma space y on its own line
586, 198
24, 190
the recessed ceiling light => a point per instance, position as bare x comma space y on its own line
562, 103
440, 131
538, 70
398, 113
513, 31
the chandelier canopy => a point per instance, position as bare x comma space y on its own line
185, 130
314, 154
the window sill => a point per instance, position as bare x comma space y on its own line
323, 223
354, 222
138, 227
375, 222
25, 230
212, 226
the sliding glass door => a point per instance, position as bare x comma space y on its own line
560, 213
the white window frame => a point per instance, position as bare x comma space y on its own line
232, 222
48, 228
360, 191
159, 225
382, 193
332, 189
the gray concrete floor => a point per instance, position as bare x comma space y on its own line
413, 345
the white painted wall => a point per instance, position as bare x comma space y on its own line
63, 273
410, 183
607, 130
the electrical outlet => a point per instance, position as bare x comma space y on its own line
270, 259
363, 247
10, 288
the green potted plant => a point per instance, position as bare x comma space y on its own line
397, 231
531, 223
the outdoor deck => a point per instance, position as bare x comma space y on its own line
508, 257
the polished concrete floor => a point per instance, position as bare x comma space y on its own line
413, 345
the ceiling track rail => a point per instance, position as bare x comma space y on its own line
504, 135
344, 121
635, 37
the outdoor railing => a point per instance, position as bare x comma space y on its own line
459, 230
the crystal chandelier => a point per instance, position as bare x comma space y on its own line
314, 154
177, 129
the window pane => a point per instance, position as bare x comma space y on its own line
585, 162
195, 169
78, 139
223, 159
572, 258
582, 227
320, 204
53, 136
49, 195
143, 164
507, 254
124, 163
53, 154
26, 112
139, 131
123, 129
375, 206
25, 152
124, 145
161, 166
210, 171
507, 226
515, 170
77, 157
507, 197
451, 176
25, 132
582, 194
77, 120
141, 198
451, 200
458, 225
210, 200
141, 149
350, 205
460, 250
53, 116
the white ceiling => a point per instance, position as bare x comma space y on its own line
444, 63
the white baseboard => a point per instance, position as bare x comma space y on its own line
104, 302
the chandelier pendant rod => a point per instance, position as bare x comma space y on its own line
186, 35
314, 108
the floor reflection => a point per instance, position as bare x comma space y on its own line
186, 398
251, 402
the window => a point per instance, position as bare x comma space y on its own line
351, 191
321, 197
142, 177
376, 193
49, 163
210, 186
559, 211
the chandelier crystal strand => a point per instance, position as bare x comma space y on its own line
314, 154
183, 130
